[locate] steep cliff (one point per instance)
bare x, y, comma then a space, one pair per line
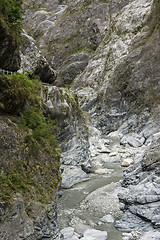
10, 34
29, 162
67, 33
107, 53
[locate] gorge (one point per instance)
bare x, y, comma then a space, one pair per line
87, 82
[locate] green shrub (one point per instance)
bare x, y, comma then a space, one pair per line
16, 90
11, 17
157, 6
39, 166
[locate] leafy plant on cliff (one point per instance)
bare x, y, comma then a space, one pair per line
16, 90
11, 17
157, 11
36, 166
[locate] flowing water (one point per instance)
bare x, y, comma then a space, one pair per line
70, 207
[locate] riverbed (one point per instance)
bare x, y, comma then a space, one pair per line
83, 205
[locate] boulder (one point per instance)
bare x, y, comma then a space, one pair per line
126, 162
133, 139
107, 219
113, 159
72, 175
92, 234
67, 233
103, 171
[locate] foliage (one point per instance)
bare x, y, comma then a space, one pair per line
38, 161
42, 129
11, 17
16, 90
21, 176
157, 7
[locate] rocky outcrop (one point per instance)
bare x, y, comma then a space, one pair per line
67, 31
23, 213
121, 77
32, 61
63, 106
36, 221
141, 196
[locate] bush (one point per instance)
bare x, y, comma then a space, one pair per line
16, 90
38, 158
11, 17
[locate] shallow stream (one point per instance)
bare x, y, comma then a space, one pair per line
73, 209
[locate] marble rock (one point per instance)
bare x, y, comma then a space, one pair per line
126, 162
92, 234
107, 219
72, 175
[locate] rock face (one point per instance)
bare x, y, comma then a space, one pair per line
141, 192
61, 104
18, 224
119, 75
22, 213
67, 32
32, 61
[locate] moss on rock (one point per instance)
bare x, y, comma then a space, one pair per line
29, 154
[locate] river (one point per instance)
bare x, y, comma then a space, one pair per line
82, 206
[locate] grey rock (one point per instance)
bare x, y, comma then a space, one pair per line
107, 219
72, 175
33, 62
141, 195
94, 235
134, 235
62, 104
61, 34
18, 225
134, 140
67, 233
73, 66
130, 222
112, 159
155, 235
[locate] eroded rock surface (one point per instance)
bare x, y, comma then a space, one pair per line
22, 213
32, 61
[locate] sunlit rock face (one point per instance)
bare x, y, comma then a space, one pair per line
63, 105
123, 75
33, 62
67, 33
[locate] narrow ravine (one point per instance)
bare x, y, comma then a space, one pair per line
82, 206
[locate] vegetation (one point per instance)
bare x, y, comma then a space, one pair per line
157, 6
11, 17
35, 166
